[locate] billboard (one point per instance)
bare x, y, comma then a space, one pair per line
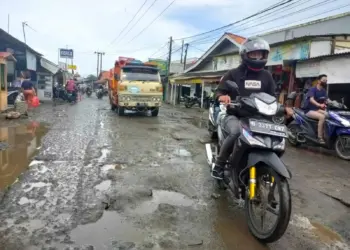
66, 53
161, 64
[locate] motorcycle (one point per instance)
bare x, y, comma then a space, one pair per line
191, 101
254, 169
99, 93
88, 92
303, 130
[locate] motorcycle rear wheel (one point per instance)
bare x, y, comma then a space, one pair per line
284, 206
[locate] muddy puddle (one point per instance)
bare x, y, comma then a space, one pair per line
163, 197
232, 227
199, 123
110, 227
324, 233
22, 143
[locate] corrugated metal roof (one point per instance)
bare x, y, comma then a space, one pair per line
15, 40
325, 56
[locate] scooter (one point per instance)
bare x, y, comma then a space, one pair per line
254, 169
303, 130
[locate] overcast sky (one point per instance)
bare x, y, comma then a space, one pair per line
87, 26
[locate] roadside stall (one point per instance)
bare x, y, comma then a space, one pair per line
6, 59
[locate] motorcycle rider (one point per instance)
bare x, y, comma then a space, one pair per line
250, 76
314, 106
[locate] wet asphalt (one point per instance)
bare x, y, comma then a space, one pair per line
84, 178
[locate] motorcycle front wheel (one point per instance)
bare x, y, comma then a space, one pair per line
342, 147
268, 179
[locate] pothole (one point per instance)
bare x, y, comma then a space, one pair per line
111, 226
163, 197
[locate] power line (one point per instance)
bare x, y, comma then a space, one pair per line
158, 50
258, 18
138, 20
132, 19
152, 22
274, 19
284, 25
283, 2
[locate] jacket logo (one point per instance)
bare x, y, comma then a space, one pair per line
251, 84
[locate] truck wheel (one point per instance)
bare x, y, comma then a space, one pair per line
121, 111
155, 112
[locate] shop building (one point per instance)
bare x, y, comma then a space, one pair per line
290, 47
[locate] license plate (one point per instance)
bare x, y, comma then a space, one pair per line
267, 128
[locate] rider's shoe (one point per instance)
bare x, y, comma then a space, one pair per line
218, 172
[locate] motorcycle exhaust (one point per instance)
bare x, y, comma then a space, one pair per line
209, 154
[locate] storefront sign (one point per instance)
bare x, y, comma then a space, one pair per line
295, 51
66, 53
74, 67
225, 62
31, 61
162, 65
307, 69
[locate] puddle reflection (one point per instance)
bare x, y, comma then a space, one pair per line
23, 141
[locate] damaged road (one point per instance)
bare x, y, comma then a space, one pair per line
99, 181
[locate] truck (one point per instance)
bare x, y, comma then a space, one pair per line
136, 86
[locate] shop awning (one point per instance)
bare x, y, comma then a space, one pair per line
198, 77
53, 68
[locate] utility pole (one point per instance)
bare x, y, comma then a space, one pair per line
8, 23
24, 32
168, 67
98, 62
185, 57
182, 50
101, 54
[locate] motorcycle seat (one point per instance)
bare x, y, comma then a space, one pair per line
302, 114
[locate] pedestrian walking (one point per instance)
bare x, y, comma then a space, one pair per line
27, 88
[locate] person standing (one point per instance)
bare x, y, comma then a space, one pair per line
27, 87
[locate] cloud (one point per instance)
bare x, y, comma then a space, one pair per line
88, 26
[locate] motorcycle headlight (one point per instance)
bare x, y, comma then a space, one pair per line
266, 109
253, 141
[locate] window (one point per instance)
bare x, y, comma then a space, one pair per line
2, 76
140, 74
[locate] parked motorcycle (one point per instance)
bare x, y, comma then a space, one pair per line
303, 130
191, 101
254, 169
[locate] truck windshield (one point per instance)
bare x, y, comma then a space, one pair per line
140, 74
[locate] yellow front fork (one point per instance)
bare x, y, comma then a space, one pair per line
252, 182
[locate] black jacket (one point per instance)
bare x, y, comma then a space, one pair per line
248, 82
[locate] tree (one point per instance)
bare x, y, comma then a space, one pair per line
91, 78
